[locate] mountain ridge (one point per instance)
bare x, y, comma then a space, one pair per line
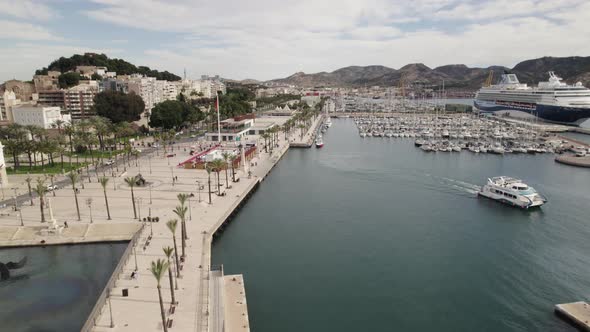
456, 76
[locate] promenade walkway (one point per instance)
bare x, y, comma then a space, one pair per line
201, 305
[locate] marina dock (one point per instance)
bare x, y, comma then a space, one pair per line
578, 313
307, 140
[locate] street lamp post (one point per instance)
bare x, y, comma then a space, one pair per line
150, 194
139, 206
199, 189
172, 171
89, 203
190, 210
150, 163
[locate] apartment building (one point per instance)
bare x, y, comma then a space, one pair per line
40, 116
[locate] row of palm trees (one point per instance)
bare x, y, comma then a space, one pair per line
159, 267
39, 144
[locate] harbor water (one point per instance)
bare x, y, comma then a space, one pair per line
58, 286
373, 234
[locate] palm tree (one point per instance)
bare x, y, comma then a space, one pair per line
131, 183
73, 176
182, 198
103, 182
41, 189
171, 224
29, 179
180, 211
208, 169
217, 166
168, 252
226, 156
158, 269
232, 160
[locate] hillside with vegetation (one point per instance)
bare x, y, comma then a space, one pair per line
120, 66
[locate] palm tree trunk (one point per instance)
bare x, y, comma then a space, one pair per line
233, 173
226, 180
183, 237
171, 283
133, 201
107, 203
77, 206
162, 308
218, 185
208, 181
41, 204
176, 257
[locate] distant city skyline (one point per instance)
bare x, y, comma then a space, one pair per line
264, 39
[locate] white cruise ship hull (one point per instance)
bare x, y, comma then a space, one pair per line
522, 202
549, 113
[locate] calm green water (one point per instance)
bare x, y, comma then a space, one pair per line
375, 235
57, 288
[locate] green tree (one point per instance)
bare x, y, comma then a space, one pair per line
131, 183
28, 180
226, 156
217, 166
103, 182
168, 252
158, 268
40, 190
74, 177
209, 169
67, 80
118, 106
183, 198
172, 225
180, 211
167, 114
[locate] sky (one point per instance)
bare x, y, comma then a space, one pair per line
266, 39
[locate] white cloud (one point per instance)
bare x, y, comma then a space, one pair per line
27, 9
24, 31
268, 39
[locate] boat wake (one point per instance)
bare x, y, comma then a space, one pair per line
461, 185
450, 186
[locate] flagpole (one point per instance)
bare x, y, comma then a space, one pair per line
218, 120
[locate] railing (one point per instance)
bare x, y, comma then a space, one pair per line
102, 299
203, 314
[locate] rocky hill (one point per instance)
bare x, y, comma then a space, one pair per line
458, 76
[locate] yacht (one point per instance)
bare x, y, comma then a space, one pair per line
552, 101
319, 142
511, 191
328, 123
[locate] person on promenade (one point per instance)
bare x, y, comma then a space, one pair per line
65, 224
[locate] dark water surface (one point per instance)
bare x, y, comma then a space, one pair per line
374, 234
57, 288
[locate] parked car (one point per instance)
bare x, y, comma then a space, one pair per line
52, 187
109, 162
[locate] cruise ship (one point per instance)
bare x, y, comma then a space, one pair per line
551, 101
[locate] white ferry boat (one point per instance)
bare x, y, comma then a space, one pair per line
512, 192
552, 101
